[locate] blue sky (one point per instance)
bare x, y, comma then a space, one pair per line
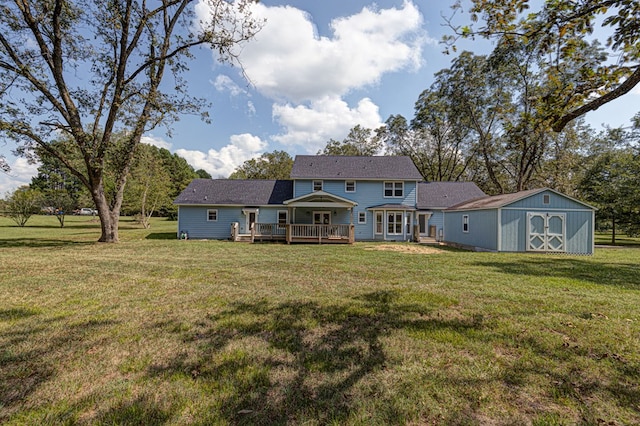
317, 69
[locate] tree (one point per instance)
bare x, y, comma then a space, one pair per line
61, 203
270, 165
92, 70
22, 204
556, 33
150, 186
203, 174
359, 141
611, 183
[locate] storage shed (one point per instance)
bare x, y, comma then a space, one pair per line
538, 220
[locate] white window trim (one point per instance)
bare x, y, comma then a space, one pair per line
546, 199
395, 223
465, 223
313, 185
364, 216
378, 214
345, 186
286, 216
393, 190
209, 211
321, 212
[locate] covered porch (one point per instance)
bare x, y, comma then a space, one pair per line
319, 217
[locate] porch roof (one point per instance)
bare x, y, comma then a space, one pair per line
320, 199
392, 207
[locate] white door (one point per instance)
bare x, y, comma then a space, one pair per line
546, 232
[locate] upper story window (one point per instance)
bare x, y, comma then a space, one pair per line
317, 185
350, 186
546, 199
394, 189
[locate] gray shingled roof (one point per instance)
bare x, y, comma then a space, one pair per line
442, 195
496, 201
350, 167
236, 192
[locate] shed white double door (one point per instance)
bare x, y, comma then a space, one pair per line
546, 232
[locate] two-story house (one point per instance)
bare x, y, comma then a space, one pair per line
342, 199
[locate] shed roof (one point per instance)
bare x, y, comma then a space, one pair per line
502, 200
235, 192
354, 167
442, 195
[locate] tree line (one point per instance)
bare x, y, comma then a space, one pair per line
96, 74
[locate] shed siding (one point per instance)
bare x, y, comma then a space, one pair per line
579, 226
483, 225
556, 201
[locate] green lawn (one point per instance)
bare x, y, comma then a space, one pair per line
159, 331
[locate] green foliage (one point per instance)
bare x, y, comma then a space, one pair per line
611, 184
360, 141
578, 75
104, 110
22, 204
150, 186
270, 165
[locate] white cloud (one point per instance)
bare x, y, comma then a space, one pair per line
289, 60
221, 163
156, 141
224, 83
636, 90
20, 174
330, 117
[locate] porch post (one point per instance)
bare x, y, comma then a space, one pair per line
351, 216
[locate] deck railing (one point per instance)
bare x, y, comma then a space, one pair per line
296, 233
320, 232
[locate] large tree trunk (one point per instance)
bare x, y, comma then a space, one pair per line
109, 215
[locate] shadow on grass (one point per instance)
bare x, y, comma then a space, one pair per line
296, 362
32, 353
41, 242
623, 275
161, 236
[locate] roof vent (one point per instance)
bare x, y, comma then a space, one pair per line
205, 197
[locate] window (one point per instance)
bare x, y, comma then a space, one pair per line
350, 186
394, 189
379, 224
317, 185
394, 223
546, 199
465, 223
362, 217
212, 215
283, 218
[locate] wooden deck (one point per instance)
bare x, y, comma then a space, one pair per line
297, 233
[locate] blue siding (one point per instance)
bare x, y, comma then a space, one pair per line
578, 236
193, 220
556, 201
437, 220
367, 194
483, 226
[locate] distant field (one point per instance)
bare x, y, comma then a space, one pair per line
159, 331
